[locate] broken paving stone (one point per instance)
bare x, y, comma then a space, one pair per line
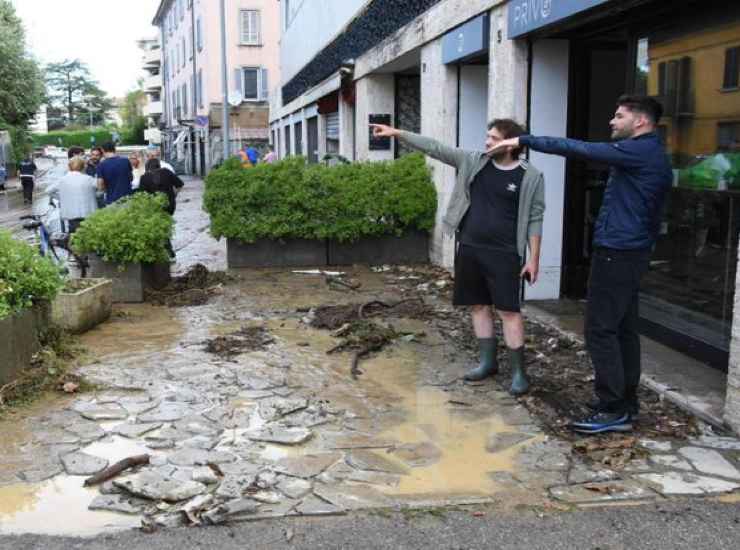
255, 394
107, 488
102, 412
505, 480
275, 407
499, 442
230, 510
352, 497
515, 416
166, 520
118, 503
710, 462
127, 429
601, 492
199, 457
679, 483
86, 431
195, 506
159, 444
155, 487
416, 455
234, 486
266, 497
166, 412
266, 479
368, 460
374, 478
306, 466
205, 475
314, 506
242, 467
358, 441
336, 473
294, 488
671, 461
284, 436
134, 408
83, 464
582, 474
657, 446
717, 442
196, 425
200, 442
37, 475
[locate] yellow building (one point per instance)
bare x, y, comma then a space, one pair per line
688, 74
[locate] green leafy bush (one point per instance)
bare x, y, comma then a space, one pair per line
25, 276
70, 139
132, 230
292, 199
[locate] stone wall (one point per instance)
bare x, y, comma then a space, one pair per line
732, 401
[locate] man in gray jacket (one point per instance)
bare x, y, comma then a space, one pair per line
495, 210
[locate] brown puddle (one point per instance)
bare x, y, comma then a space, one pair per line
465, 464
135, 327
56, 507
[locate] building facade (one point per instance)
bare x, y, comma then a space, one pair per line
190, 35
446, 67
153, 84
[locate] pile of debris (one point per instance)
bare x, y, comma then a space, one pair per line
192, 289
241, 341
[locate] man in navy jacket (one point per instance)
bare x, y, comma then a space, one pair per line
625, 232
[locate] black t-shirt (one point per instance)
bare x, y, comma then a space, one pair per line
491, 219
27, 168
161, 181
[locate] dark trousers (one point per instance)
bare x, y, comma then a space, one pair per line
27, 184
611, 325
73, 225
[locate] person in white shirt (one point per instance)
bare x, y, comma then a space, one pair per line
137, 168
76, 194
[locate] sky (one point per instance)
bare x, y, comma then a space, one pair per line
102, 33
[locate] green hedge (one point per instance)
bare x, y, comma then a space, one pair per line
292, 199
131, 230
70, 139
25, 276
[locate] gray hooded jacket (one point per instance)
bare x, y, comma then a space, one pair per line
468, 164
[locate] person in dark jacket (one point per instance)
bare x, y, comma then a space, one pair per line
160, 180
625, 232
27, 171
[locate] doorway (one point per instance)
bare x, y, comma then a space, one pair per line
313, 139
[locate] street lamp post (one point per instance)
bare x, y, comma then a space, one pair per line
224, 84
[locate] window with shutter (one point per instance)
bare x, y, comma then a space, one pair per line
190, 43
251, 83
182, 43
264, 89
200, 88
249, 31
732, 68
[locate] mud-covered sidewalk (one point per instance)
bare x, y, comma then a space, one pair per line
246, 415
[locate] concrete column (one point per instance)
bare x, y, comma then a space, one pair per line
375, 95
346, 129
732, 401
508, 72
304, 133
439, 104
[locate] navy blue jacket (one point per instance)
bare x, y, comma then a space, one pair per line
639, 180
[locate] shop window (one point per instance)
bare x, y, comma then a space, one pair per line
691, 282
732, 68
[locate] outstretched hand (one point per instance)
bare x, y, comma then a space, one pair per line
382, 130
503, 146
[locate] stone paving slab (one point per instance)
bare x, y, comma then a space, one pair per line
710, 462
607, 491
82, 464
675, 483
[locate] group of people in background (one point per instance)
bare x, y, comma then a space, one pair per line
249, 156
106, 177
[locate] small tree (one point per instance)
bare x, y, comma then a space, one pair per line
74, 94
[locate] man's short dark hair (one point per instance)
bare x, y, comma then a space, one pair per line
152, 164
643, 104
109, 147
98, 149
508, 128
75, 151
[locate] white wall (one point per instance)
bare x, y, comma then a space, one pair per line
473, 106
376, 94
549, 117
316, 23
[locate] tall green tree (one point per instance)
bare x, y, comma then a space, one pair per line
132, 115
21, 83
74, 93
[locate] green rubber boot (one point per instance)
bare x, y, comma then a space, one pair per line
488, 365
519, 382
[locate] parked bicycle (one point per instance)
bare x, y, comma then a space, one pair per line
53, 241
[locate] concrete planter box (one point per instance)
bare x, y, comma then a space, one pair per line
19, 340
410, 248
276, 253
83, 305
130, 280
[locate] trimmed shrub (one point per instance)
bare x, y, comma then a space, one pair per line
292, 199
72, 139
25, 276
132, 230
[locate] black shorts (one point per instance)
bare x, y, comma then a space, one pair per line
487, 277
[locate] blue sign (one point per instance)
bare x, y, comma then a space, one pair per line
467, 40
528, 15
